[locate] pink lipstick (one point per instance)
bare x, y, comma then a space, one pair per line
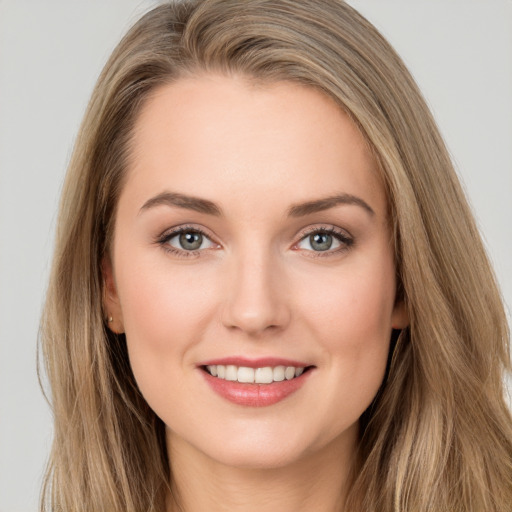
255, 382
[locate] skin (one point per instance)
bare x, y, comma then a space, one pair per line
256, 288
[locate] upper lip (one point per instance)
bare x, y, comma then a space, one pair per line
260, 362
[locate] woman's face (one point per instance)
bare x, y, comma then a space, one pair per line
252, 242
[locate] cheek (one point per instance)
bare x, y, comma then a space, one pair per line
164, 314
351, 319
354, 306
158, 299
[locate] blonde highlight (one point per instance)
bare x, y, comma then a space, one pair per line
444, 388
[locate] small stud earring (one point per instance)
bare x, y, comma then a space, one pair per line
110, 319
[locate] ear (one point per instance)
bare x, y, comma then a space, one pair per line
111, 305
400, 315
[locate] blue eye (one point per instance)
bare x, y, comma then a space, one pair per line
325, 240
188, 240
321, 241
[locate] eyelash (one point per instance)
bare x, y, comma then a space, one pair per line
346, 241
163, 241
342, 237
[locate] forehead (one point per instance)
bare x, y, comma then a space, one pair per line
224, 136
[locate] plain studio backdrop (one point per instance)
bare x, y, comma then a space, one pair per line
51, 52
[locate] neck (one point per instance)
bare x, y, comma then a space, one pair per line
314, 482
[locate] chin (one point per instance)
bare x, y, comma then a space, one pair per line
244, 447
257, 457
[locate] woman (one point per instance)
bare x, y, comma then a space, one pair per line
261, 297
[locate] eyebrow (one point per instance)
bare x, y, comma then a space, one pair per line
319, 205
210, 208
183, 201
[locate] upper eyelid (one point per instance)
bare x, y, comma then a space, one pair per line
303, 233
170, 232
325, 228
163, 240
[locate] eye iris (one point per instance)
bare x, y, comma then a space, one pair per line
320, 241
191, 240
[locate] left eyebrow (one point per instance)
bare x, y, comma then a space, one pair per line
320, 205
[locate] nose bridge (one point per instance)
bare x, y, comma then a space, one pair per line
255, 298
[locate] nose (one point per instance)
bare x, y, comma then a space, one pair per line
256, 300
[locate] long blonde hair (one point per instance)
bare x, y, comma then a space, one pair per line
438, 436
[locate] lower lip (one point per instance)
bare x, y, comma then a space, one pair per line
255, 395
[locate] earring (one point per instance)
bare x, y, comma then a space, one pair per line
110, 319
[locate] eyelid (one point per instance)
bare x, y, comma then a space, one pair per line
345, 239
326, 228
170, 233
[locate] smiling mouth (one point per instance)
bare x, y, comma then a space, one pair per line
263, 375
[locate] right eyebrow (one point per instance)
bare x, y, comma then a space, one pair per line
182, 201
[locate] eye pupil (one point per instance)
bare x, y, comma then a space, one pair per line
191, 240
320, 241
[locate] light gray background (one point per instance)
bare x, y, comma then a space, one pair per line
51, 52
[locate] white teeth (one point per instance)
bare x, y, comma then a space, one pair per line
231, 372
289, 373
264, 375
245, 374
279, 373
